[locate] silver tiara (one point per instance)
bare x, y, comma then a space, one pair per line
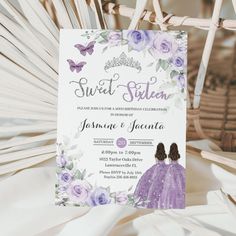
123, 60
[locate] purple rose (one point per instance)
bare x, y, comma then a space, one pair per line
99, 196
178, 61
121, 198
180, 79
164, 46
139, 39
79, 191
114, 38
65, 177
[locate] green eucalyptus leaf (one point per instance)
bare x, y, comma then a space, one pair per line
104, 49
164, 64
158, 65
173, 74
89, 175
130, 188
77, 174
70, 166
103, 41
83, 174
104, 34
150, 64
58, 170
113, 195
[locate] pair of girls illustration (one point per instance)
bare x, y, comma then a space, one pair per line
163, 185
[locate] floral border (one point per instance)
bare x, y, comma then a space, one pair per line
168, 49
73, 185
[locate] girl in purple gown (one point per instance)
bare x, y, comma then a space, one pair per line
149, 187
173, 193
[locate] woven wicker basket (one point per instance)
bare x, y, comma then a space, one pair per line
217, 111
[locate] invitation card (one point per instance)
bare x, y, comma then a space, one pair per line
122, 118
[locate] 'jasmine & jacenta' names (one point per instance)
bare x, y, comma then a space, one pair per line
132, 126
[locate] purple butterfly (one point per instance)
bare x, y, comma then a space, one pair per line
77, 67
86, 49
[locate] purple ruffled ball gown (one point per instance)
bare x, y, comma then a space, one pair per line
150, 185
173, 193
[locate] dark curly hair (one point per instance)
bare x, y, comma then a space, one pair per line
174, 152
160, 152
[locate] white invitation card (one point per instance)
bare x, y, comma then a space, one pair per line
122, 118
